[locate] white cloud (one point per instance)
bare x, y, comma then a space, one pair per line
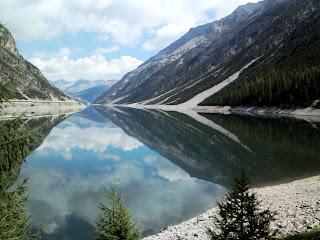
101, 50
109, 157
64, 52
139, 24
92, 67
124, 22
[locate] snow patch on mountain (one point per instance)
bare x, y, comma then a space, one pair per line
196, 100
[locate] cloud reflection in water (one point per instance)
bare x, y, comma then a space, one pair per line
80, 159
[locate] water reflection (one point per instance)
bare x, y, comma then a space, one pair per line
216, 147
80, 159
169, 166
18, 137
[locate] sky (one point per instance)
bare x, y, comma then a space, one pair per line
102, 39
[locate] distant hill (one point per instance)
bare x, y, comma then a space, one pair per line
86, 91
263, 54
62, 84
19, 79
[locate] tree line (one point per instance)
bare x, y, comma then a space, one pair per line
277, 87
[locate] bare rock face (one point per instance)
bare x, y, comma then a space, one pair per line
19, 79
7, 40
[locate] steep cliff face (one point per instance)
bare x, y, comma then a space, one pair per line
207, 55
7, 40
19, 79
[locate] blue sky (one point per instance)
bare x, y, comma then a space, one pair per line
102, 39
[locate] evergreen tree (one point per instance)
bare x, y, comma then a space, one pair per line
14, 218
15, 145
240, 216
115, 222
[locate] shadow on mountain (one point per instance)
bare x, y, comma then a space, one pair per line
269, 150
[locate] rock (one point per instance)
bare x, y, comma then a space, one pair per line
23, 80
291, 218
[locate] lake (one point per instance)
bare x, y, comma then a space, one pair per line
168, 166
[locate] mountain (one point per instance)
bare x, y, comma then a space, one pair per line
62, 84
19, 79
90, 95
263, 54
86, 91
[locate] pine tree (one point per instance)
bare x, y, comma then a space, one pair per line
115, 222
15, 144
240, 216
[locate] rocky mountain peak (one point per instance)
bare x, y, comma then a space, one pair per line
19, 79
7, 40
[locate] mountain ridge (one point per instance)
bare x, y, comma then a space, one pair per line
19, 79
86, 91
209, 54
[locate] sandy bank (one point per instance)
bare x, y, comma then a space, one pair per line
297, 204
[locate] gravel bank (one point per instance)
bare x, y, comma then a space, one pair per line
297, 204
35, 108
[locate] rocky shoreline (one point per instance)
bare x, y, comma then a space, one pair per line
308, 114
18, 108
297, 205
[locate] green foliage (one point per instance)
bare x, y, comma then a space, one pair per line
115, 222
16, 143
240, 216
14, 219
275, 87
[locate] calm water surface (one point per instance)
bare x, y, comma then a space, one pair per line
168, 166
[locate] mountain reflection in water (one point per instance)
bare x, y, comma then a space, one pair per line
169, 166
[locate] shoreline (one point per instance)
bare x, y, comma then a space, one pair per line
14, 108
308, 114
297, 205
312, 114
